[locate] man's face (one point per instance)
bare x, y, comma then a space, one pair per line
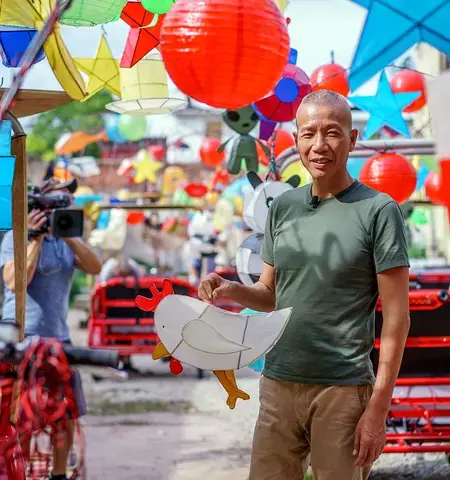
324, 139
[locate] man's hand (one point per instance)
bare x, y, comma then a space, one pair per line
214, 287
370, 436
36, 220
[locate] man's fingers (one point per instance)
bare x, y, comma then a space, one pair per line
363, 451
205, 291
356, 443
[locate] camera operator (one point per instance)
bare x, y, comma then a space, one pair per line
51, 262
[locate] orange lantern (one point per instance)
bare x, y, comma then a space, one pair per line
196, 190
330, 77
225, 53
407, 81
158, 152
263, 158
209, 154
390, 173
283, 141
433, 188
135, 218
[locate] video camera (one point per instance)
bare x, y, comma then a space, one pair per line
62, 221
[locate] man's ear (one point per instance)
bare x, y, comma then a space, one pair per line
353, 138
295, 136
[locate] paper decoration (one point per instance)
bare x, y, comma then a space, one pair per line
434, 188
438, 105
7, 163
112, 129
249, 264
330, 77
31, 14
209, 153
250, 38
158, 6
13, 44
209, 338
133, 128
385, 108
391, 28
145, 90
144, 33
282, 4
146, 167
82, 13
410, 81
282, 103
258, 201
103, 70
75, 142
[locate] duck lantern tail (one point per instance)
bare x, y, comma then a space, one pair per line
151, 304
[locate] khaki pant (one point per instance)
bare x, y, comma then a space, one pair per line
301, 423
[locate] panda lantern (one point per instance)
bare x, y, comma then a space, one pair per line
256, 209
209, 338
242, 121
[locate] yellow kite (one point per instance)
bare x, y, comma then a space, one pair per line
32, 14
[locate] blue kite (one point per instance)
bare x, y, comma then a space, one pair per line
394, 26
385, 108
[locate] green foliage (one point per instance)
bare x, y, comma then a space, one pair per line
75, 116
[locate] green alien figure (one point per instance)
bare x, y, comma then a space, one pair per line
242, 121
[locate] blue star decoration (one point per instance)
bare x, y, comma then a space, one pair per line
394, 26
385, 108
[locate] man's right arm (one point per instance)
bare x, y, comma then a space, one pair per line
33, 250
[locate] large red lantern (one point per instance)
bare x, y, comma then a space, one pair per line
433, 188
407, 81
209, 154
330, 77
390, 173
225, 53
283, 141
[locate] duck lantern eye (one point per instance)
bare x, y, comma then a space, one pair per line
269, 201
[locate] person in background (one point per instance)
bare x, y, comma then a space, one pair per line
330, 249
51, 263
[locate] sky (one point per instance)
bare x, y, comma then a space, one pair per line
317, 27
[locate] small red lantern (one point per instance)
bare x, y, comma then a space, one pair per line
263, 158
330, 77
225, 53
390, 173
209, 154
433, 188
158, 152
283, 141
407, 81
135, 218
196, 190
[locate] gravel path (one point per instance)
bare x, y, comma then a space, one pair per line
206, 441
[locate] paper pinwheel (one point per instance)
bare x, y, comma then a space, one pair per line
385, 108
394, 26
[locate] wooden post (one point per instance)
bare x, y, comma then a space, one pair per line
20, 229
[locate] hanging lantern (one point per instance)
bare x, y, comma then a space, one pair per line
144, 89
13, 43
390, 173
283, 140
281, 105
196, 190
158, 152
158, 6
209, 154
226, 60
433, 188
132, 128
407, 81
330, 77
87, 13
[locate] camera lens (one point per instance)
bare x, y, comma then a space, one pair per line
65, 222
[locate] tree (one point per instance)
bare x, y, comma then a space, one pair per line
75, 116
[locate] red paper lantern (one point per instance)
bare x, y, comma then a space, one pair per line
209, 154
158, 152
410, 81
433, 188
225, 53
135, 218
196, 190
263, 158
390, 173
330, 77
283, 141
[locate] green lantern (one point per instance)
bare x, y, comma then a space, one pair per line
87, 13
158, 6
133, 128
419, 216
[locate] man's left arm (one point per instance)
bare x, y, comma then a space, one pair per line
392, 268
85, 257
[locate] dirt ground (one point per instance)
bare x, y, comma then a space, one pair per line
155, 426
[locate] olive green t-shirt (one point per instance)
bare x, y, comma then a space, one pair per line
326, 261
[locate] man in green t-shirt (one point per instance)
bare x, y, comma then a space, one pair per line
330, 248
